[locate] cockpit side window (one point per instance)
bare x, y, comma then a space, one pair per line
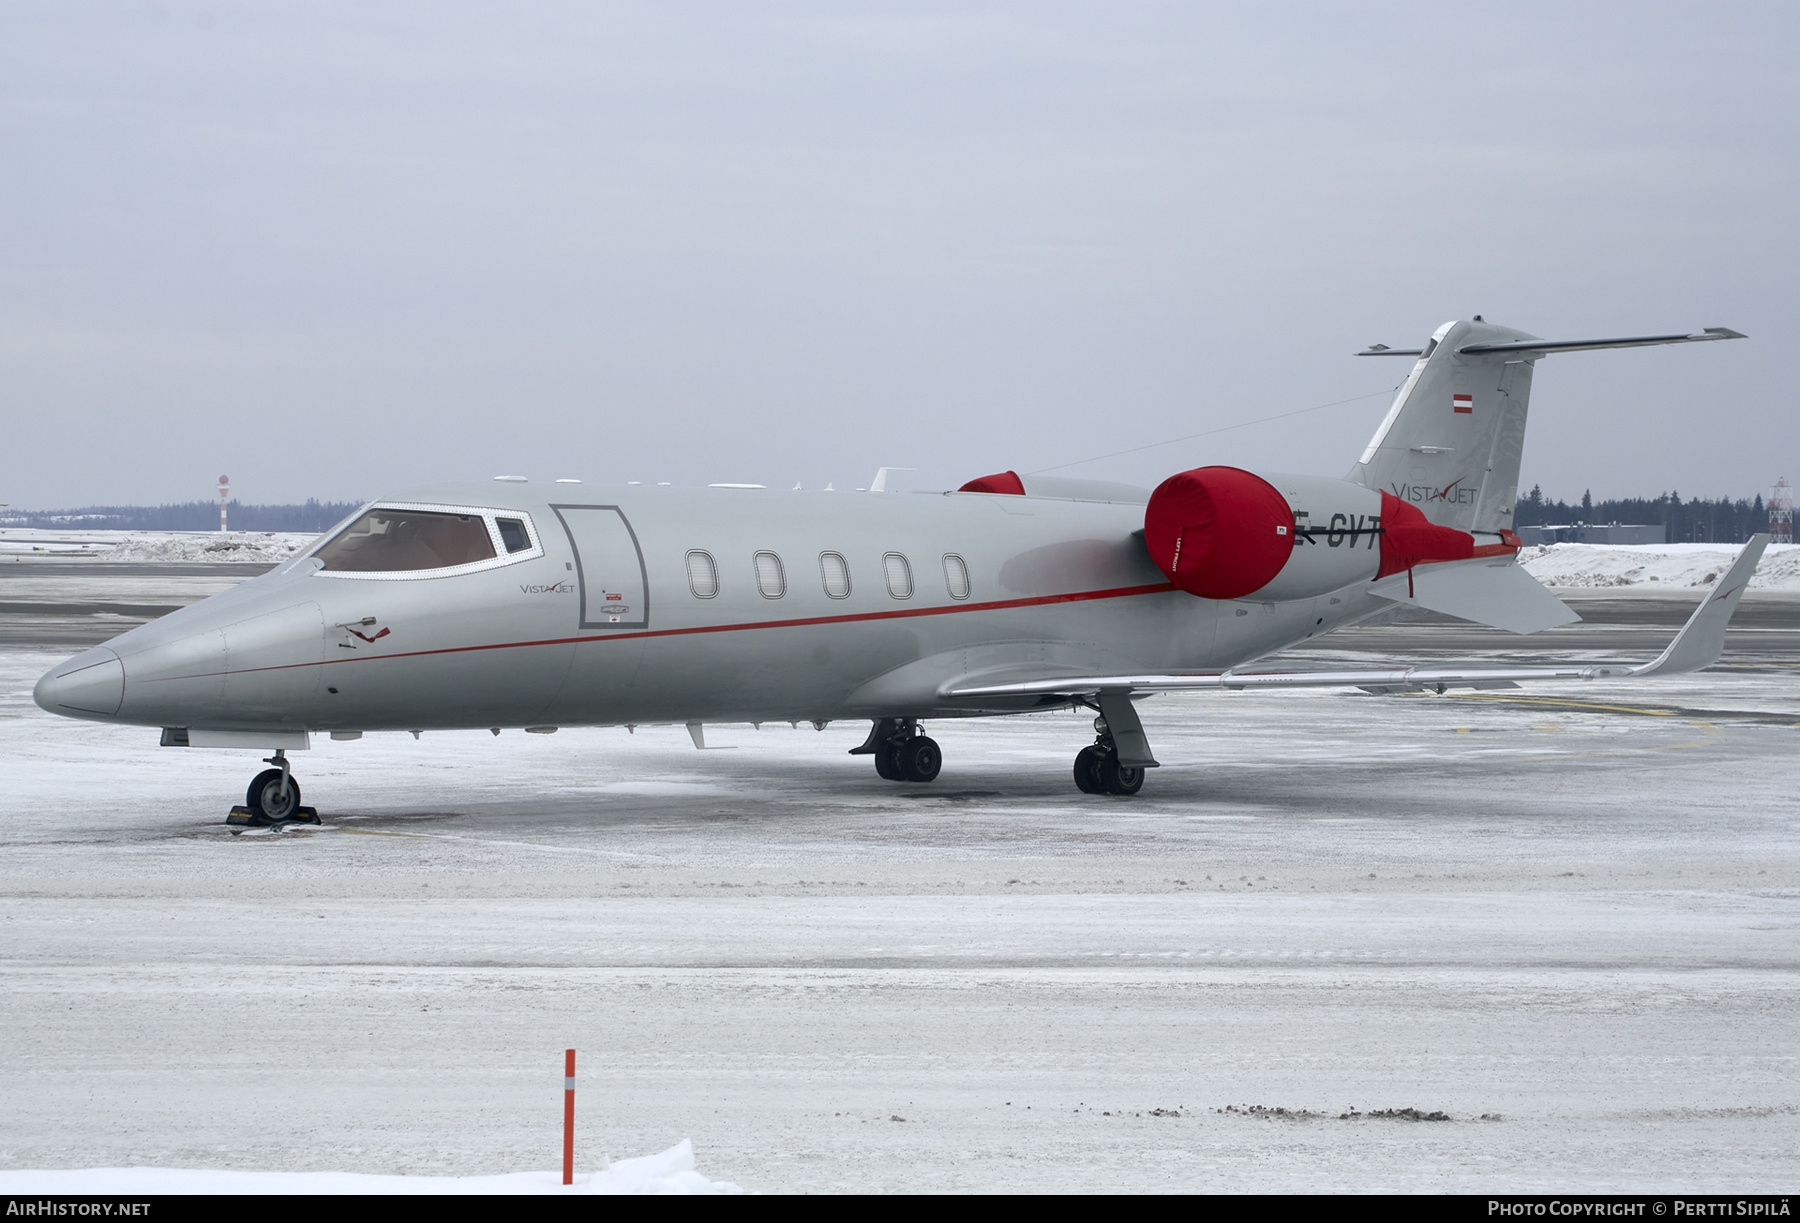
392, 541
513, 534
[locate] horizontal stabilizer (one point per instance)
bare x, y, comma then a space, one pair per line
1633, 341
1502, 596
1549, 346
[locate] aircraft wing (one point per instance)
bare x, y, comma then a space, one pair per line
1697, 645
1395, 679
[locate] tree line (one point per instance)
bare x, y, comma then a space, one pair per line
311, 516
1694, 521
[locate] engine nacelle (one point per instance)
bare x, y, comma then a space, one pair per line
1337, 537
1225, 533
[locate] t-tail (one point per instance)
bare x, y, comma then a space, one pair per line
1451, 442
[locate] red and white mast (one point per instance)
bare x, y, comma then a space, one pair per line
1781, 513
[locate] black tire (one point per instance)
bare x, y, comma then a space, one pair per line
1116, 778
886, 766
1087, 771
919, 759
264, 796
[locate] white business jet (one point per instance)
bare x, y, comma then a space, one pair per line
510, 605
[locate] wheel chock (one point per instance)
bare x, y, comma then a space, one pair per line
246, 817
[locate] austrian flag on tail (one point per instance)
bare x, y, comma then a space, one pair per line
1462, 403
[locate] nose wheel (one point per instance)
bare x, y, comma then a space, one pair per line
273, 794
272, 798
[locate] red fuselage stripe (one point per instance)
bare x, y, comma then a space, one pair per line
1122, 592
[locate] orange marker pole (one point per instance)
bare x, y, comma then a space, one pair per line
568, 1116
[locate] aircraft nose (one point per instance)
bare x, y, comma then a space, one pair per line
86, 685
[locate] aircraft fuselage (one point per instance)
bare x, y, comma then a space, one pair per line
645, 605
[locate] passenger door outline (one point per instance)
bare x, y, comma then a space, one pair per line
596, 617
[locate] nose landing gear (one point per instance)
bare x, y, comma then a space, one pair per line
902, 751
272, 799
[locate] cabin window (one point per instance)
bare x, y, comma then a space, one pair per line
703, 575
513, 534
769, 576
394, 541
834, 571
899, 575
956, 576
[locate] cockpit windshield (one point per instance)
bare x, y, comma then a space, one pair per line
392, 541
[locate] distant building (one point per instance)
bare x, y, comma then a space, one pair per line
1595, 533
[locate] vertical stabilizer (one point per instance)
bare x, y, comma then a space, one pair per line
1451, 443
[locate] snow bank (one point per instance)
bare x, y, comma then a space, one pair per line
202, 547
670, 1172
1672, 567
185, 547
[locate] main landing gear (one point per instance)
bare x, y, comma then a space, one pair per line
273, 798
1097, 767
902, 750
1115, 762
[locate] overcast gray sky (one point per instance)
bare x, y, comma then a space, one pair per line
335, 249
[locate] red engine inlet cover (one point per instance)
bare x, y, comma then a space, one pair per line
1219, 532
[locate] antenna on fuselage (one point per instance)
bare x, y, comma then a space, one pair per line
879, 483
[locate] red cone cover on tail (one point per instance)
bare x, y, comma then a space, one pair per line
1219, 532
1001, 482
1408, 538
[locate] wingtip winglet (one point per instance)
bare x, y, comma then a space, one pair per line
1702, 639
